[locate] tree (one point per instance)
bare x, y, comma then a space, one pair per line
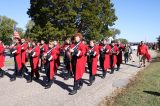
113, 32
96, 18
124, 41
29, 27
6, 29
92, 18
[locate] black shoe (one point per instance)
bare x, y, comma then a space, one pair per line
20, 76
90, 84
117, 68
66, 78
112, 71
73, 92
13, 79
37, 77
29, 81
1, 74
80, 87
104, 75
26, 70
48, 86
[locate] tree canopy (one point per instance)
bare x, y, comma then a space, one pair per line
62, 18
6, 29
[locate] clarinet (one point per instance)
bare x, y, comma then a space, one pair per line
12, 50
90, 54
75, 48
67, 48
22, 46
67, 54
103, 51
31, 52
48, 54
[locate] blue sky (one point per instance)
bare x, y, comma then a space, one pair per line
137, 19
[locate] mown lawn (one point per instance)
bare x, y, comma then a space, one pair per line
145, 91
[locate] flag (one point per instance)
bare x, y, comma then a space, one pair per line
15, 32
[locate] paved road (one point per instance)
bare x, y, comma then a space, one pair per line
20, 93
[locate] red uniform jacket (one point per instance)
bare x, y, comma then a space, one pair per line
107, 58
23, 52
17, 56
2, 57
119, 56
52, 63
113, 52
80, 62
85, 57
142, 49
35, 58
57, 57
95, 60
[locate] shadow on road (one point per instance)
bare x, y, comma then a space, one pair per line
152, 93
63, 85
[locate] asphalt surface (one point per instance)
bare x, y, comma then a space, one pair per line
21, 93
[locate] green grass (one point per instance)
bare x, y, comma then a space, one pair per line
147, 80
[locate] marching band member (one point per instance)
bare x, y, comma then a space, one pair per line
43, 50
57, 59
92, 59
2, 58
16, 51
119, 56
67, 58
85, 56
34, 53
105, 58
50, 57
78, 52
141, 52
101, 55
113, 56
24, 47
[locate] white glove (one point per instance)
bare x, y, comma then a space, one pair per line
71, 50
94, 53
50, 58
33, 54
78, 53
14, 51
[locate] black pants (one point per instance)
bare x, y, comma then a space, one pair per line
126, 57
111, 61
24, 69
68, 67
1, 72
47, 70
77, 84
91, 76
101, 59
118, 61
